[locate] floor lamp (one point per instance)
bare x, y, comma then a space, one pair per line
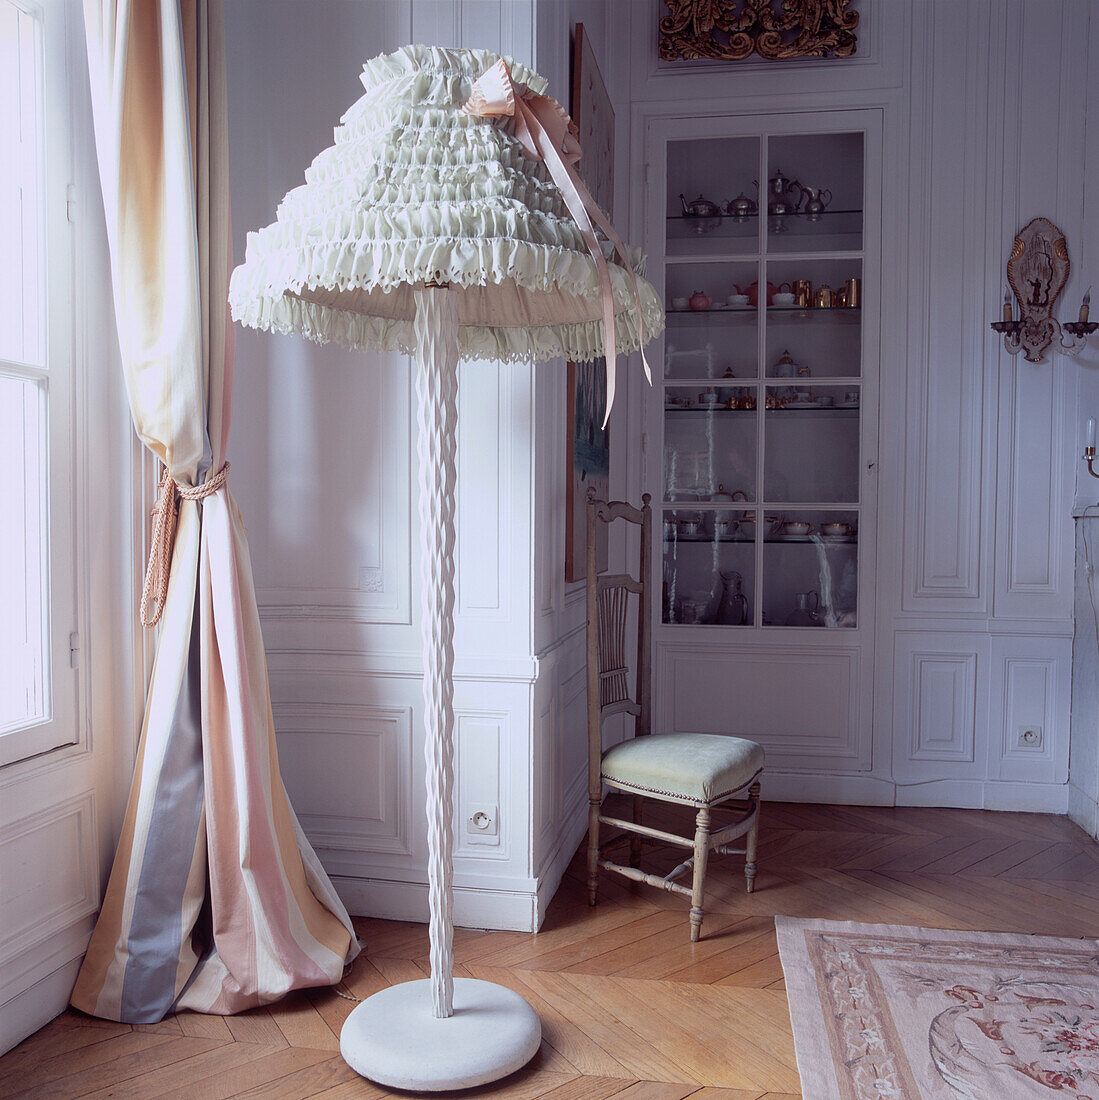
446, 221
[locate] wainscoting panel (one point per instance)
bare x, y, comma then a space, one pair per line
348, 772
48, 872
805, 709
326, 479
944, 689
940, 705
1031, 685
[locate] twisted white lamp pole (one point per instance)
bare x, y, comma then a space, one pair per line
437, 446
468, 1032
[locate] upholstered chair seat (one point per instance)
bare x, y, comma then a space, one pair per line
695, 767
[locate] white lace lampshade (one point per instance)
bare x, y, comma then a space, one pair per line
446, 221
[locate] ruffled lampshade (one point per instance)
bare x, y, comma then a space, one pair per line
446, 221
413, 190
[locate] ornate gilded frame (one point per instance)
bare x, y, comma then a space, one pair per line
777, 30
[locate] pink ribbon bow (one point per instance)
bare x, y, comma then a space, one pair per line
544, 130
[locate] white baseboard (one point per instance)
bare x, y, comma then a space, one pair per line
836, 790
501, 910
1084, 810
1035, 798
26, 1012
868, 790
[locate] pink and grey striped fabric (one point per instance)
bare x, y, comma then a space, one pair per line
216, 901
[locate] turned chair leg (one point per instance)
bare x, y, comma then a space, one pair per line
635, 840
753, 837
594, 806
702, 851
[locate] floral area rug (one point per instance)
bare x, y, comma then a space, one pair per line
883, 1011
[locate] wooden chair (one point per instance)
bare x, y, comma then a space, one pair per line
703, 770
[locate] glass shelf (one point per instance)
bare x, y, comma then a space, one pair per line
689, 227
814, 413
731, 315
723, 313
827, 222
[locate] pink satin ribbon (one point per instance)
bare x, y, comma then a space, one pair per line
544, 130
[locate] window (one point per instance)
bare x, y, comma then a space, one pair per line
37, 710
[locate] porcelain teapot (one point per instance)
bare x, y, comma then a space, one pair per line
725, 497
699, 208
785, 367
753, 293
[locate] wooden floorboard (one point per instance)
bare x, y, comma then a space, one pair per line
630, 1009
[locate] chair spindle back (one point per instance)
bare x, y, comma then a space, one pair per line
610, 653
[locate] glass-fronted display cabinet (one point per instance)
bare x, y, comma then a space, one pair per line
765, 388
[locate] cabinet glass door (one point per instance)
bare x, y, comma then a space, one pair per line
763, 381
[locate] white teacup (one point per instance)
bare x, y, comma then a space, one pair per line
680, 303
826, 402
796, 527
738, 299
835, 528
783, 299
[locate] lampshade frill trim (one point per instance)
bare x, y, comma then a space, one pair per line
262, 296
413, 190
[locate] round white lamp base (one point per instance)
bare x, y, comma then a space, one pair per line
393, 1038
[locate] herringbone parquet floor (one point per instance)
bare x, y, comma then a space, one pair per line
630, 1009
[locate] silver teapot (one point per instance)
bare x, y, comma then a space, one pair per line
741, 208
699, 208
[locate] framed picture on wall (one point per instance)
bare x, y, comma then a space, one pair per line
589, 462
587, 448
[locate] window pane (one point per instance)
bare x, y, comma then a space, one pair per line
22, 312
22, 553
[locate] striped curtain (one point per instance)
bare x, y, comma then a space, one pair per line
216, 901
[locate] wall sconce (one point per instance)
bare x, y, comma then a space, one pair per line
1037, 271
1089, 447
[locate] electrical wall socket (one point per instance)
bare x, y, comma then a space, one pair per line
482, 823
1030, 737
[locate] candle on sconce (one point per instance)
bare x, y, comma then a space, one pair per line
1007, 306
1090, 438
1084, 306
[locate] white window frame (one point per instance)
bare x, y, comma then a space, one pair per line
60, 726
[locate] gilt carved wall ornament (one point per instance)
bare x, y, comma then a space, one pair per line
1037, 271
778, 30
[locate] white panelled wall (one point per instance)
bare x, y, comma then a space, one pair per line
983, 110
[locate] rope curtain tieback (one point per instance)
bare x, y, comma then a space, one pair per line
545, 132
159, 567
